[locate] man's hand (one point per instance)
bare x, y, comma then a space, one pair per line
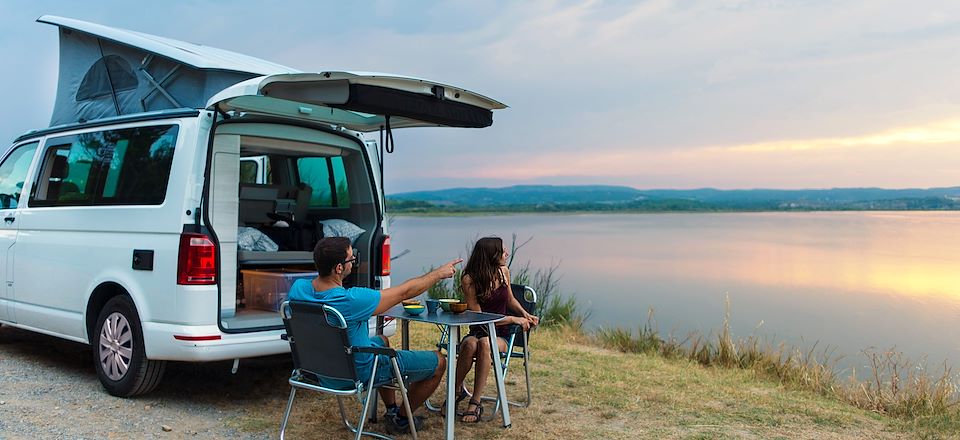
448, 270
392, 296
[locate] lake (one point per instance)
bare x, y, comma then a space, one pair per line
849, 280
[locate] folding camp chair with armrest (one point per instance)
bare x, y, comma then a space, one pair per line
320, 347
517, 347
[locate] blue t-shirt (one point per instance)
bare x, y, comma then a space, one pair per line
356, 304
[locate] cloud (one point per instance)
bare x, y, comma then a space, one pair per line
922, 155
626, 89
941, 132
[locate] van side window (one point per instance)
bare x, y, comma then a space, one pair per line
113, 167
328, 178
251, 173
13, 172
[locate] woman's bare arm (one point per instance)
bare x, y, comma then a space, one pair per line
469, 293
515, 306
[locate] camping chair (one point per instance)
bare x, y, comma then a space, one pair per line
320, 347
517, 347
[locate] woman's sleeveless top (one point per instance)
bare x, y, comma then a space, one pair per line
497, 301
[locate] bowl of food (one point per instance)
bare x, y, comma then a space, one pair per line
445, 303
458, 307
411, 302
414, 309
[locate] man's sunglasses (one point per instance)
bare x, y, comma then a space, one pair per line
355, 259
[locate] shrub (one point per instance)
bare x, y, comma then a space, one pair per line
449, 288
553, 307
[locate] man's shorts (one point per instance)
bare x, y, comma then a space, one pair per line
414, 365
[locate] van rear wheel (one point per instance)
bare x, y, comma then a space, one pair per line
118, 352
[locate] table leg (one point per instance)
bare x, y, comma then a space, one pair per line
498, 370
405, 334
453, 333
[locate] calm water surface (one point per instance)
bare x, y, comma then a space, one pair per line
849, 280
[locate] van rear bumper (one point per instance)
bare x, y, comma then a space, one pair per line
162, 344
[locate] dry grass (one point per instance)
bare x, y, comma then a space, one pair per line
581, 391
584, 391
903, 388
922, 402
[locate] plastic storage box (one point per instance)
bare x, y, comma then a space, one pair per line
266, 289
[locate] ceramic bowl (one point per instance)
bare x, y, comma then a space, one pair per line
411, 302
458, 307
445, 303
414, 309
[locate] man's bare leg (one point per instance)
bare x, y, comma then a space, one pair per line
418, 392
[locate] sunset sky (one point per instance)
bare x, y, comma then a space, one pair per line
651, 94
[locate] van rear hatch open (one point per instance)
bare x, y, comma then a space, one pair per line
358, 101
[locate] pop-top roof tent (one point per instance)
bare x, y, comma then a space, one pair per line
108, 72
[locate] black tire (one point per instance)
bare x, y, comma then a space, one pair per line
118, 352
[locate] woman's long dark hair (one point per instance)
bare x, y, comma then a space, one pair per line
483, 266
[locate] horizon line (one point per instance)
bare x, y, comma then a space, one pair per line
678, 189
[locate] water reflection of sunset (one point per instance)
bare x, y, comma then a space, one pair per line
846, 279
861, 256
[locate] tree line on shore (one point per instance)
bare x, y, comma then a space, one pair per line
608, 198
681, 205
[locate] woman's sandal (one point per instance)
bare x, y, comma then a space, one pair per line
462, 394
476, 413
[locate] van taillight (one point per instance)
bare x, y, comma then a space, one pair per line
385, 256
198, 260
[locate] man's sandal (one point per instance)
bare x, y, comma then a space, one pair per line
476, 413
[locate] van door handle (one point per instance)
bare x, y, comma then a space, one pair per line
9, 219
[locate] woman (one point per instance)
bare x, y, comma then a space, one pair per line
486, 287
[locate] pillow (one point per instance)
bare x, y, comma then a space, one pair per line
341, 228
250, 239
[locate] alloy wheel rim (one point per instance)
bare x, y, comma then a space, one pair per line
116, 346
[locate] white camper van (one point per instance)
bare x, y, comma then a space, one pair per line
180, 189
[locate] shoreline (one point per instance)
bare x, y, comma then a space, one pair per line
635, 212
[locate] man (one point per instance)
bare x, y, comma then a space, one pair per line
335, 260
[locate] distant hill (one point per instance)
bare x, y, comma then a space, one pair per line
608, 197
524, 194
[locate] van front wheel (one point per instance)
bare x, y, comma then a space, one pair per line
118, 353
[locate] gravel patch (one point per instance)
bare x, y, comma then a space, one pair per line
48, 389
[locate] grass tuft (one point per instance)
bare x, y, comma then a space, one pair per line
900, 387
647, 341
897, 386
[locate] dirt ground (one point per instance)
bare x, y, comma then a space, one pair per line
49, 390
